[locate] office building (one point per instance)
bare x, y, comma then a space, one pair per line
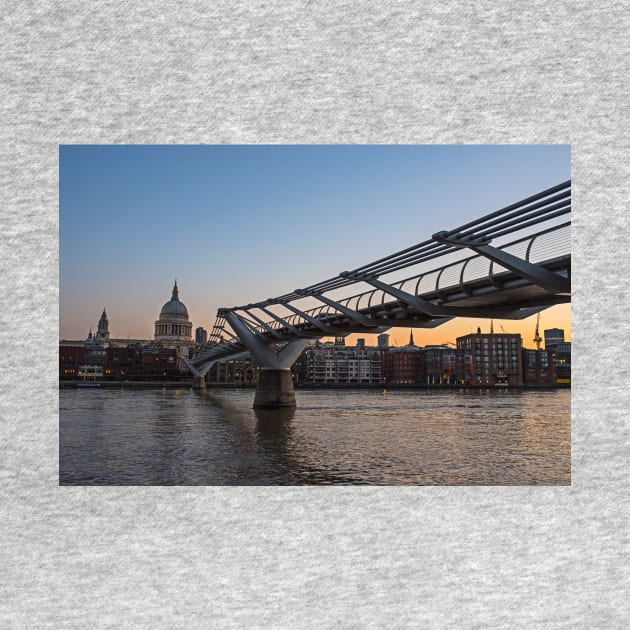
201, 335
553, 336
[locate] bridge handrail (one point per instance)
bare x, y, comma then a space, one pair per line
325, 309
431, 249
543, 207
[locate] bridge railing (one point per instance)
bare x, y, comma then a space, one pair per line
539, 248
546, 211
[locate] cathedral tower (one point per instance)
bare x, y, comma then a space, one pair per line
102, 332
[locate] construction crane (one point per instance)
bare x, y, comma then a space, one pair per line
537, 338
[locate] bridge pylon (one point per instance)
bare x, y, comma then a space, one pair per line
275, 384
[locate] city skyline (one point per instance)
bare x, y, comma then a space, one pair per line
552, 318
236, 224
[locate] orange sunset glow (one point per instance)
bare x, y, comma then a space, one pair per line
554, 317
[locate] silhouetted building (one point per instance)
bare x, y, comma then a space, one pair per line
383, 340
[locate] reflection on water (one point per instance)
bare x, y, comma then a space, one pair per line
274, 417
274, 424
421, 437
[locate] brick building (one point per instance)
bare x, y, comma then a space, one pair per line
496, 358
403, 365
447, 366
539, 368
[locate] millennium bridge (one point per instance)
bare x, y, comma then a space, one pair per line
508, 264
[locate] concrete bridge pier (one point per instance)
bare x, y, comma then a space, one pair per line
199, 374
275, 385
275, 389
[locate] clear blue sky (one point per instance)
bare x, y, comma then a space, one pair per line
236, 224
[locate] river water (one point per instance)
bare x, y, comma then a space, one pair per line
411, 437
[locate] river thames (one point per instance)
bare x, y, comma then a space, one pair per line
398, 437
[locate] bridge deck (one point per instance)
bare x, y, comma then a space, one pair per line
510, 279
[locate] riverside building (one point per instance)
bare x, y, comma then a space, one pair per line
336, 363
445, 365
539, 368
496, 358
404, 365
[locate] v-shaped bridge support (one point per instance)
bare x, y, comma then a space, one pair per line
275, 385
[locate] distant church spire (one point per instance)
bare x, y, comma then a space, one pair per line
411, 343
103, 327
175, 295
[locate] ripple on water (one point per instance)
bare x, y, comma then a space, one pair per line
184, 437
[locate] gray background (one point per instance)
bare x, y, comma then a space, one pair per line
327, 72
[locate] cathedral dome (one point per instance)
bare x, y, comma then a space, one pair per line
174, 308
173, 324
